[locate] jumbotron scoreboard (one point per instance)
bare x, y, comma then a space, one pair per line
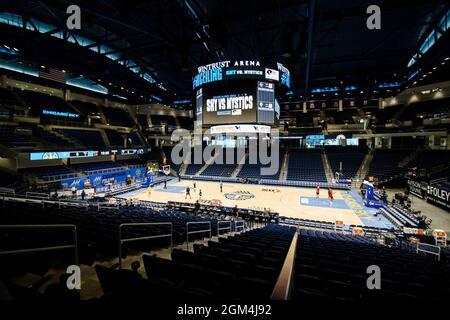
239, 92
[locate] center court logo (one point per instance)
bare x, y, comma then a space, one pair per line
239, 195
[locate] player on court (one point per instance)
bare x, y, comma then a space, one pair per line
188, 193
149, 190
200, 195
330, 196
317, 191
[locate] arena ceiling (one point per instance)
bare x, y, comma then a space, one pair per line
324, 43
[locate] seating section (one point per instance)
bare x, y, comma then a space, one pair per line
10, 136
240, 267
192, 169
396, 129
97, 229
342, 117
351, 160
117, 117
306, 165
95, 166
42, 101
305, 119
431, 109
429, 159
86, 108
88, 138
131, 162
9, 180
142, 120
51, 137
223, 170
52, 173
385, 163
133, 140
115, 138
7, 98
253, 171
219, 170
186, 123
158, 120
383, 116
333, 266
45, 172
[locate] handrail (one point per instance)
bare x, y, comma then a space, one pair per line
42, 249
240, 226
438, 253
58, 177
283, 285
59, 202
9, 191
70, 203
37, 195
122, 241
224, 228
107, 205
197, 231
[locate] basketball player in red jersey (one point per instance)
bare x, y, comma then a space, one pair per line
317, 191
330, 196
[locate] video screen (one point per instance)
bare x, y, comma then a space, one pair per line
266, 102
230, 103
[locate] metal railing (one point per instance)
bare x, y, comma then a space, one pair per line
43, 249
223, 222
120, 187
241, 225
197, 231
104, 170
37, 195
107, 205
7, 191
70, 203
61, 202
122, 241
58, 177
428, 248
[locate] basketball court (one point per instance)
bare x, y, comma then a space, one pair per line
289, 202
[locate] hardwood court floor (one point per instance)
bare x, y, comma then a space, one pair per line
287, 201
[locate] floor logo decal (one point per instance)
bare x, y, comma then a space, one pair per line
239, 195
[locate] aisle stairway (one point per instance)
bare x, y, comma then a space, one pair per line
284, 167
327, 167
363, 170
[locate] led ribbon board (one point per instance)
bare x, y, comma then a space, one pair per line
241, 69
52, 155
